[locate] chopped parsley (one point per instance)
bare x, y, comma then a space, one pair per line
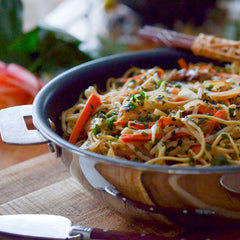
110, 123
160, 83
130, 106
134, 101
210, 87
220, 161
208, 147
160, 97
224, 136
231, 111
140, 98
173, 133
227, 146
96, 129
192, 162
119, 83
178, 86
144, 133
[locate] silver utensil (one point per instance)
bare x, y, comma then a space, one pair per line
58, 227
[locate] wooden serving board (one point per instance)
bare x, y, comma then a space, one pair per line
43, 185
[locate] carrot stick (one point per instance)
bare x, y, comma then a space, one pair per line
139, 137
220, 113
204, 109
228, 75
224, 75
121, 123
133, 124
227, 102
175, 90
92, 103
196, 148
179, 99
134, 77
160, 72
137, 125
166, 121
212, 123
182, 63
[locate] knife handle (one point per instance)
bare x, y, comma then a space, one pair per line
86, 233
117, 235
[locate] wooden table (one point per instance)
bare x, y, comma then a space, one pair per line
41, 184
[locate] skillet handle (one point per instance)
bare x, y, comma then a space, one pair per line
13, 127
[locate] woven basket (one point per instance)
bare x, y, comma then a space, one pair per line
216, 48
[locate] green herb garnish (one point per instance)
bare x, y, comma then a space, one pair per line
96, 129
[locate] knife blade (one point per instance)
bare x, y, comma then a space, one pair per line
44, 226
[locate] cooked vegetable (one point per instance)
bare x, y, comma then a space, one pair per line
93, 102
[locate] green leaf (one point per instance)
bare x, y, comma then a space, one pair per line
41, 50
26, 43
48, 51
96, 129
220, 161
10, 27
59, 51
11, 20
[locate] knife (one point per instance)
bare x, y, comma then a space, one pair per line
44, 226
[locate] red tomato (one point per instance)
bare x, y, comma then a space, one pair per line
18, 86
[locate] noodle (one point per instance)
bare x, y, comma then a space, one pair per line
177, 117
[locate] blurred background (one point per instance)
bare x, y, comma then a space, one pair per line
101, 27
49, 36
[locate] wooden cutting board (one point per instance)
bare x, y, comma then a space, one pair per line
43, 185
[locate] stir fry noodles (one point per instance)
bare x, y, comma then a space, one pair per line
178, 117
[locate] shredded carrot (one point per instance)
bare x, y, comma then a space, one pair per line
166, 121
134, 124
196, 148
134, 77
221, 74
160, 72
139, 137
145, 137
227, 75
92, 103
182, 63
221, 113
205, 109
121, 123
227, 102
212, 123
179, 99
175, 90
137, 125
205, 67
